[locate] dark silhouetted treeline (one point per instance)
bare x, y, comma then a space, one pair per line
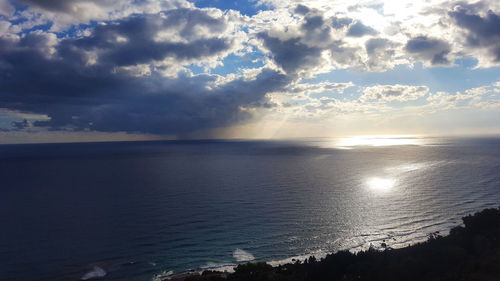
469, 252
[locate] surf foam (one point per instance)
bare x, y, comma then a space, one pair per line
241, 255
96, 272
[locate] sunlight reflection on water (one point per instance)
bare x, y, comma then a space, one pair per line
381, 184
378, 140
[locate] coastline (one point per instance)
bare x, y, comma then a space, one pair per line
468, 252
225, 269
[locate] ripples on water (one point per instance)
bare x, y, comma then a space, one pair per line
136, 210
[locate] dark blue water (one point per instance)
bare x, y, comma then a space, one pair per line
146, 208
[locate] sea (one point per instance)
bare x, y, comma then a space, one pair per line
150, 210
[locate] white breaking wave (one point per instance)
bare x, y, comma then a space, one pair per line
163, 275
96, 272
317, 254
221, 267
240, 255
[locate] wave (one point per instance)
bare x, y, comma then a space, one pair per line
317, 254
221, 267
96, 272
163, 275
241, 255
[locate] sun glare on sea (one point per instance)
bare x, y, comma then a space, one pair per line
381, 184
378, 140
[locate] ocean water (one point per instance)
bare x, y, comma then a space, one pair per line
141, 210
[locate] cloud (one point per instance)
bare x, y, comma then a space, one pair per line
292, 55
480, 97
432, 51
20, 124
89, 82
374, 103
481, 32
300, 91
358, 29
381, 53
301, 9
393, 93
299, 47
340, 22
321, 87
424, 32
181, 35
6, 9
63, 14
68, 6
309, 45
174, 107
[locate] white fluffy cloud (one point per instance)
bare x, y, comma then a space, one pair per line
377, 35
394, 93
485, 97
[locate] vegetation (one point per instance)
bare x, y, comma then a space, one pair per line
469, 252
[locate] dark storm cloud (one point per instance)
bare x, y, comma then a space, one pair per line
174, 106
44, 76
481, 32
291, 54
431, 50
358, 29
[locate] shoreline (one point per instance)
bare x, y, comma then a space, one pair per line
216, 270
219, 268
474, 242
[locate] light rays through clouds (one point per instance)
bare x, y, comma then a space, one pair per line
258, 69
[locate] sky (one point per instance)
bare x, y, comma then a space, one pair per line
74, 70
